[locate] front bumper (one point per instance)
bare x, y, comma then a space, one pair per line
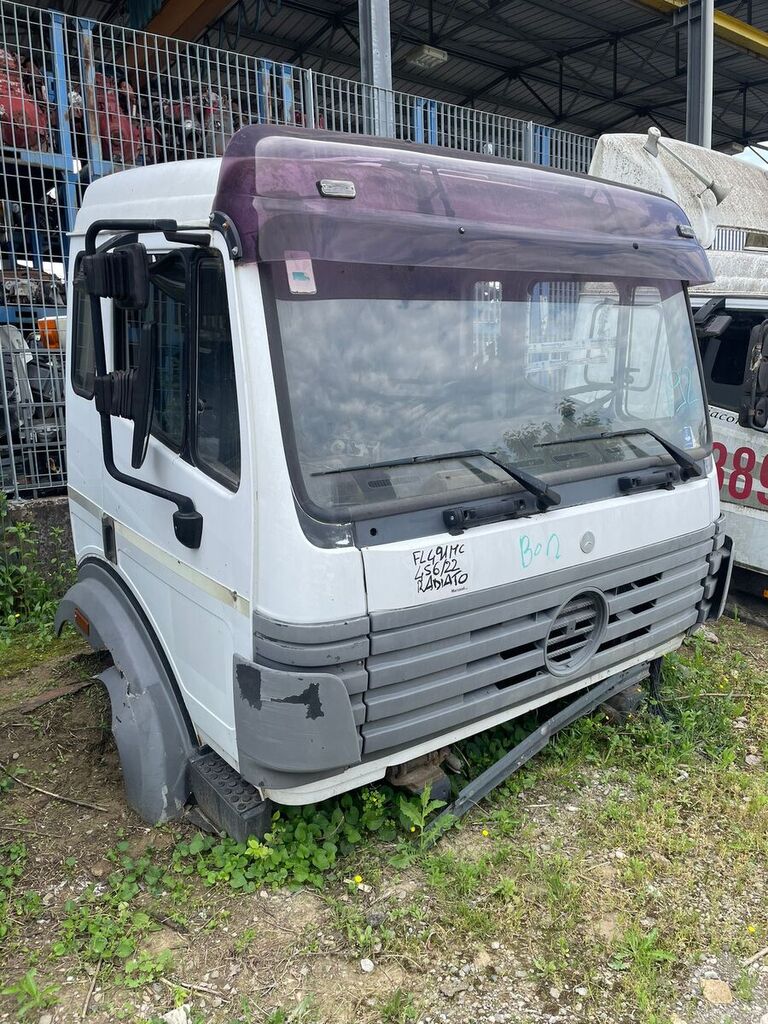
341, 701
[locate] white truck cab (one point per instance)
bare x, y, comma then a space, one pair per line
373, 447
726, 201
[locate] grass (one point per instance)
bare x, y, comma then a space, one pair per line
608, 866
20, 650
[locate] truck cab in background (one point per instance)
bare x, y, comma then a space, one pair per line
368, 452
726, 201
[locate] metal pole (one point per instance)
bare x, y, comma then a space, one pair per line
698, 122
376, 65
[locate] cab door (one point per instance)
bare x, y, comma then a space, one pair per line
197, 599
740, 453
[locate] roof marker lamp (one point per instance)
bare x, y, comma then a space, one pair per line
652, 145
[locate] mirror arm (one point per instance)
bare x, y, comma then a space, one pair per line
187, 521
132, 226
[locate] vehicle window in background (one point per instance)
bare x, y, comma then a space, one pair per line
725, 360
388, 363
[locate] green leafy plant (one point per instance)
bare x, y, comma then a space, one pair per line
145, 968
416, 811
28, 596
30, 995
99, 932
640, 950
399, 1008
13, 857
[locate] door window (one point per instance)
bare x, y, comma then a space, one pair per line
188, 303
167, 307
217, 428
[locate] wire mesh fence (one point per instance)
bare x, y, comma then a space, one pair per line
80, 99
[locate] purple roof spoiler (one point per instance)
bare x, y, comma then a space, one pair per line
415, 205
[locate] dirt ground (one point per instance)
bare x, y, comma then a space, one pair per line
610, 885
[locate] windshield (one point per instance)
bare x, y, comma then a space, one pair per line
387, 363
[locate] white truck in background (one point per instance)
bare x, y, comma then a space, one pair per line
370, 450
726, 201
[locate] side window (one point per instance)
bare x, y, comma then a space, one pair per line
167, 307
217, 427
727, 364
83, 358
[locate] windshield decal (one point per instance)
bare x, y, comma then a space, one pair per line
442, 567
301, 276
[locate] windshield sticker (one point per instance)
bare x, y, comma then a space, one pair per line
301, 276
689, 438
442, 567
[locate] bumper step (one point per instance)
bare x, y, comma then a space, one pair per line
231, 803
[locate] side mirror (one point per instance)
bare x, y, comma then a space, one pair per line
121, 274
715, 327
130, 393
754, 408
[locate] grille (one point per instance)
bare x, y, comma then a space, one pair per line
415, 673
443, 665
575, 633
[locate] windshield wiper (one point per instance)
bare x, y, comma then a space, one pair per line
689, 467
545, 496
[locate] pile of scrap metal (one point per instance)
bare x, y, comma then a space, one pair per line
31, 407
23, 120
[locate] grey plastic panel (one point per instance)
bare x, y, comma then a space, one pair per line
434, 719
311, 655
293, 722
310, 633
149, 721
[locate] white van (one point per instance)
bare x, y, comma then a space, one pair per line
726, 201
347, 482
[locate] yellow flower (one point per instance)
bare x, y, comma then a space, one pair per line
413, 828
486, 832
358, 879
751, 929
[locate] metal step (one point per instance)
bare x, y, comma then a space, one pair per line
231, 803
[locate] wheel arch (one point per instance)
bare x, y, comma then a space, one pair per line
150, 722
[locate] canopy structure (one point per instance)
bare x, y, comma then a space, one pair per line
588, 66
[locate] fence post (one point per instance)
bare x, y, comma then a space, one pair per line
528, 142
309, 99
61, 93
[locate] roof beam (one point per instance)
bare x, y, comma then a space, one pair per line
732, 30
186, 19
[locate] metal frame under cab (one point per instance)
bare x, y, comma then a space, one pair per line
80, 99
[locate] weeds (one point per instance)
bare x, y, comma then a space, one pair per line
28, 596
30, 996
13, 857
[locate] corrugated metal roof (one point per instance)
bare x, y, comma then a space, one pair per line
585, 65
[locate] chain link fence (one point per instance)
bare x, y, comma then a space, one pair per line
80, 99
